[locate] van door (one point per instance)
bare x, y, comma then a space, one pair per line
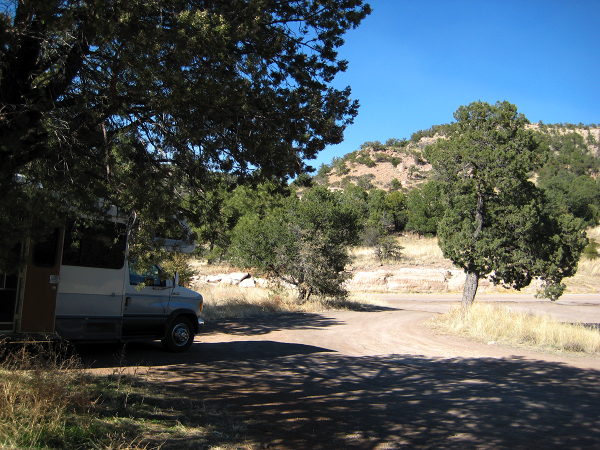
90, 296
41, 283
146, 303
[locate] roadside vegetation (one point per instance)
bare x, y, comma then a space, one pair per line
231, 301
228, 302
492, 323
310, 234
49, 400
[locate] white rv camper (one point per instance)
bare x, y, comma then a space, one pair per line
78, 284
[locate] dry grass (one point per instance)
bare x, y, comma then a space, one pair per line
48, 400
35, 398
416, 251
227, 301
422, 251
594, 233
495, 323
587, 277
201, 267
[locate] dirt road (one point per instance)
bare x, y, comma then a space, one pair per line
381, 379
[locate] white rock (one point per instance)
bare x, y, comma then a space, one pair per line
214, 278
237, 276
247, 283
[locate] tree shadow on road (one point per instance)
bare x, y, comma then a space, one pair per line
283, 321
334, 401
297, 396
266, 324
151, 354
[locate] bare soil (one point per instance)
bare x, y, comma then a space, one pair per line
379, 378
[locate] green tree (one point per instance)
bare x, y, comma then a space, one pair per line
395, 203
424, 208
577, 194
138, 102
355, 199
568, 176
222, 207
497, 223
303, 243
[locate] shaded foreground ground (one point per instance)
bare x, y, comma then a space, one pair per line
334, 380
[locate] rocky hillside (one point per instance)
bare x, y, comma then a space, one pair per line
399, 163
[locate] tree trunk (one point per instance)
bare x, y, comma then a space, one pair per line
472, 279
470, 289
304, 293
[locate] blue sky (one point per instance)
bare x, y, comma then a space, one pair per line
413, 63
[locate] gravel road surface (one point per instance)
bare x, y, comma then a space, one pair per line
381, 379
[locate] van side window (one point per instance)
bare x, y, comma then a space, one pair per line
153, 277
100, 245
44, 251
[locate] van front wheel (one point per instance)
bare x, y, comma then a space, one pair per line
179, 336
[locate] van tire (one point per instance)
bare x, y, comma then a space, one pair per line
179, 336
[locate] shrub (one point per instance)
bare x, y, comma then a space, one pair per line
180, 263
365, 181
396, 143
395, 184
366, 160
388, 249
303, 244
373, 145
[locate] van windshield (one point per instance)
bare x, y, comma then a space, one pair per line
154, 276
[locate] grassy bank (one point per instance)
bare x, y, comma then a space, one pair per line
499, 324
48, 400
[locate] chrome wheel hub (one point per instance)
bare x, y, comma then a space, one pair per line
181, 334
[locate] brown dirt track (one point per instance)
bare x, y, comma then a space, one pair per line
381, 379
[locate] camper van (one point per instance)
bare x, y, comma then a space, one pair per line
78, 284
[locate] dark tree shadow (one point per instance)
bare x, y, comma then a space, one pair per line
266, 324
300, 396
151, 354
284, 321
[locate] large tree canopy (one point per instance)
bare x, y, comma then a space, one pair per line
496, 222
131, 100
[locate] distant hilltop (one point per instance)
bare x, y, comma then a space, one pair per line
400, 163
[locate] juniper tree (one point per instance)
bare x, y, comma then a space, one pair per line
303, 243
497, 223
138, 102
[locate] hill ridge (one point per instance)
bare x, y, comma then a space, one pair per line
400, 164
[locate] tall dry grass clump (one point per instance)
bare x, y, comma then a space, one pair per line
422, 250
228, 301
39, 389
594, 233
486, 322
415, 250
587, 277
